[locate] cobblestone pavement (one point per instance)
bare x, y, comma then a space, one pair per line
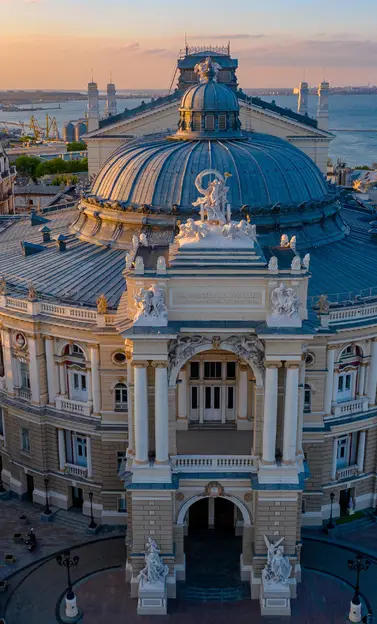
50, 536
322, 599
360, 534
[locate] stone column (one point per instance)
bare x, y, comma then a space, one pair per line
290, 413
96, 385
8, 360
62, 453
182, 393
201, 392
242, 391
334, 454
372, 377
361, 451
35, 384
223, 392
141, 412
51, 369
335, 385
62, 379
130, 449
361, 380
270, 412
89, 457
161, 412
300, 420
330, 361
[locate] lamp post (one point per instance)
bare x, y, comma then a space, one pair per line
92, 524
47, 510
330, 525
358, 566
65, 560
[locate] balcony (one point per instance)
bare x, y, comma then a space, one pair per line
347, 472
213, 463
76, 471
23, 393
351, 407
74, 407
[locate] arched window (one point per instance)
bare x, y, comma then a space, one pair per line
307, 399
76, 375
74, 350
121, 397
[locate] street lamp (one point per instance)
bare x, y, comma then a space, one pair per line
47, 510
330, 524
358, 566
92, 524
65, 561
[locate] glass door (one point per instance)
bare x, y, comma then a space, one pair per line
212, 403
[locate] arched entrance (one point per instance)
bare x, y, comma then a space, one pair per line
212, 550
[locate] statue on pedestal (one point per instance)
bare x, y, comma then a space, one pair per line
214, 200
155, 570
278, 568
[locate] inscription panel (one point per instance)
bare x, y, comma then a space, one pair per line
202, 297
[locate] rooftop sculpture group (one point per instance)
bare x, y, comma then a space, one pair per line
151, 308
214, 200
285, 301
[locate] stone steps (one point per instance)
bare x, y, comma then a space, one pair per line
71, 520
191, 593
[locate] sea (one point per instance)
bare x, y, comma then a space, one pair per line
356, 115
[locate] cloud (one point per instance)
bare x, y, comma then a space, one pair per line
155, 51
226, 37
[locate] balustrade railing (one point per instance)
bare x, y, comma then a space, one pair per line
76, 471
347, 472
51, 309
23, 393
208, 463
75, 407
351, 407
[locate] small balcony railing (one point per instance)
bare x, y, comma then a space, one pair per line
74, 407
210, 463
347, 472
23, 393
351, 407
76, 471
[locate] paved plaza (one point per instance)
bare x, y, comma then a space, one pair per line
37, 583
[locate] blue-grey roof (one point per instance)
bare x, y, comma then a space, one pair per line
160, 172
209, 96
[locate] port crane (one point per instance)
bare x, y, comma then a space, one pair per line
33, 128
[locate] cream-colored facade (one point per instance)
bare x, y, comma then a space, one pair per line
7, 178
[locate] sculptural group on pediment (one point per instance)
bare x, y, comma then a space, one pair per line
183, 347
231, 230
193, 229
151, 308
249, 348
285, 301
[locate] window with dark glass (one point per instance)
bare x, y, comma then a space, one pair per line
121, 455
194, 398
222, 122
210, 122
212, 370
194, 370
230, 402
208, 397
121, 397
197, 121
307, 398
216, 397
230, 370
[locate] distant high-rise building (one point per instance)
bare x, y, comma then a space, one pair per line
303, 94
323, 105
93, 107
111, 103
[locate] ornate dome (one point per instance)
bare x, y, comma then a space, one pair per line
209, 96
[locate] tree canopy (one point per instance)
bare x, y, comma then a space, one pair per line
76, 146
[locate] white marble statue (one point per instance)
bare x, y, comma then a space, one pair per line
278, 568
183, 347
292, 243
135, 242
285, 301
306, 261
151, 308
273, 265
214, 200
139, 265
128, 261
143, 240
192, 229
161, 265
203, 68
249, 348
249, 229
296, 264
155, 570
229, 230
284, 241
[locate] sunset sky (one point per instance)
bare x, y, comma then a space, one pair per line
55, 43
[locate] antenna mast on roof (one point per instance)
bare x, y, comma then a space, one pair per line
186, 43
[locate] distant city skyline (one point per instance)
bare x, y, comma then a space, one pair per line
55, 44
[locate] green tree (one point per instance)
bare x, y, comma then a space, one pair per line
363, 167
65, 179
28, 165
76, 146
74, 166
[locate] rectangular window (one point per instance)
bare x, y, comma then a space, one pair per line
230, 403
121, 455
122, 505
342, 448
210, 122
230, 370
194, 370
25, 377
197, 122
75, 381
208, 397
194, 397
212, 370
1, 423
83, 382
25, 440
216, 397
348, 382
222, 122
307, 400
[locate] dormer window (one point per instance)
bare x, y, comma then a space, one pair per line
197, 122
210, 122
222, 122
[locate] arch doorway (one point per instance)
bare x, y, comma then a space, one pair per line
213, 549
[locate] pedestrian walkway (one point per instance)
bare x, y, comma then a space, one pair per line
360, 534
51, 536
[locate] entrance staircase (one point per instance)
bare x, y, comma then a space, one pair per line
72, 520
190, 593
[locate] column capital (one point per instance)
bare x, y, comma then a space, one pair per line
374, 339
364, 363
32, 336
49, 337
94, 346
332, 347
140, 364
128, 353
292, 365
273, 364
243, 366
160, 364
